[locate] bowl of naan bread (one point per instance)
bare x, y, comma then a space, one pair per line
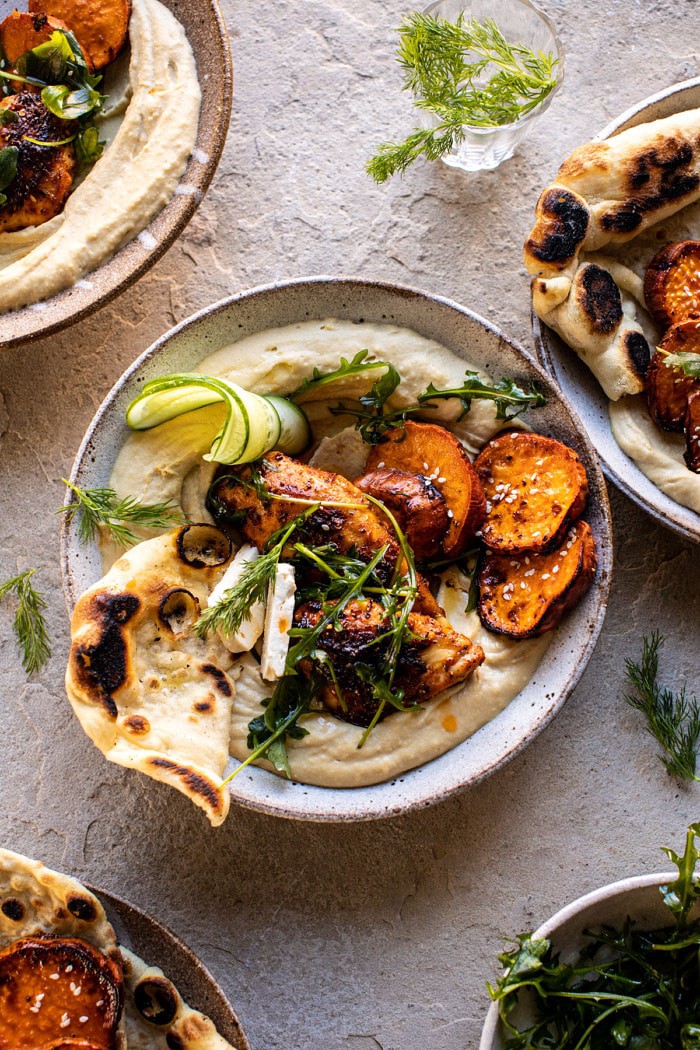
615, 262
83, 968
113, 116
358, 554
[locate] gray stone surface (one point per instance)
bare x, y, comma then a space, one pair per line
380, 935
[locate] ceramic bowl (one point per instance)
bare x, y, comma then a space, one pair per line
159, 946
637, 897
206, 32
575, 379
472, 338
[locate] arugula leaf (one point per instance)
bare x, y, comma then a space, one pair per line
269, 732
382, 388
8, 168
680, 895
511, 400
88, 145
71, 103
29, 623
48, 62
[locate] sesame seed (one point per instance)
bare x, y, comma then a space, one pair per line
54, 976
545, 575
382, 464
69, 968
65, 1021
84, 1018
450, 514
555, 568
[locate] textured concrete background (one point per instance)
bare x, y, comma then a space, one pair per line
382, 935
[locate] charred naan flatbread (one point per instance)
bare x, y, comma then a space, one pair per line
147, 691
157, 1018
606, 193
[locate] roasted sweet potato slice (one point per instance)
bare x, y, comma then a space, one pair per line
668, 388
692, 433
525, 595
101, 26
672, 283
58, 992
21, 31
436, 454
418, 506
535, 487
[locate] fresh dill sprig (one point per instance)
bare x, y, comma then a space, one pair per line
673, 719
29, 624
228, 615
446, 66
102, 506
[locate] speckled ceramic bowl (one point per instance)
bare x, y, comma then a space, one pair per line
637, 897
158, 946
575, 379
206, 32
477, 341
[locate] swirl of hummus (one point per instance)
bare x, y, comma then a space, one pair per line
150, 126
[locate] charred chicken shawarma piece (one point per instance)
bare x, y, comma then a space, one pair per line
432, 658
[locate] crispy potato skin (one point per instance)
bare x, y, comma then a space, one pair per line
429, 450
434, 658
44, 173
535, 487
101, 28
526, 595
672, 283
668, 389
418, 506
692, 433
22, 31
26, 966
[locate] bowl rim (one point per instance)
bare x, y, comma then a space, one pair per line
186, 206
599, 592
619, 888
121, 907
680, 521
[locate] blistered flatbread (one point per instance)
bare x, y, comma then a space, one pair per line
157, 1018
147, 690
606, 193
36, 901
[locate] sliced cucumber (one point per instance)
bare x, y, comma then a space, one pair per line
254, 424
295, 432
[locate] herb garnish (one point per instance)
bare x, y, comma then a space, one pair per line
70, 89
102, 506
445, 64
673, 719
374, 422
29, 624
628, 988
8, 166
685, 362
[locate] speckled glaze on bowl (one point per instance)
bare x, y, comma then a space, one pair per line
578, 382
637, 897
207, 33
472, 338
158, 946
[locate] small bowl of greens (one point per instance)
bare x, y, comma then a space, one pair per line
616, 968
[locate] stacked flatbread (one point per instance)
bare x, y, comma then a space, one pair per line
605, 194
40, 903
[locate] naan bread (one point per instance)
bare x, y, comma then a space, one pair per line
157, 1018
606, 193
34, 900
147, 691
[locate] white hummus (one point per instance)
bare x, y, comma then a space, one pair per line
165, 463
657, 453
150, 125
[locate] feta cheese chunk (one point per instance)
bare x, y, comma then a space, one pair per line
279, 617
250, 630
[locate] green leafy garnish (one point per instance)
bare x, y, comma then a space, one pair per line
673, 719
685, 362
228, 615
29, 624
71, 103
445, 67
269, 732
8, 116
510, 399
89, 147
8, 168
103, 507
628, 988
383, 387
